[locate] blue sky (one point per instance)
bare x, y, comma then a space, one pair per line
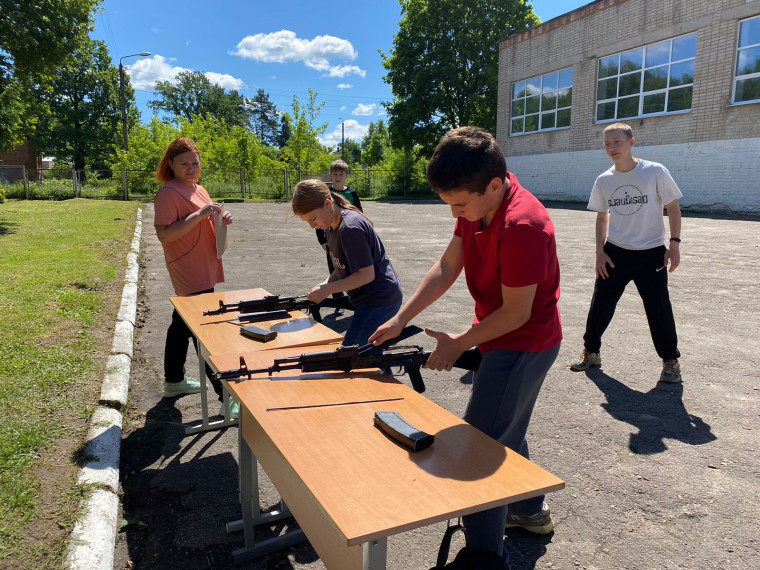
283, 47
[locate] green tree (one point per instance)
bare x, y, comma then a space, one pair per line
34, 39
303, 152
375, 144
264, 117
443, 67
195, 96
283, 133
351, 151
83, 127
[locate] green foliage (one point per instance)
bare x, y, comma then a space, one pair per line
194, 96
83, 127
443, 68
264, 117
303, 152
2, 195
375, 144
35, 38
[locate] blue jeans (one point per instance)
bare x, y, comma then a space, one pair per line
504, 392
365, 321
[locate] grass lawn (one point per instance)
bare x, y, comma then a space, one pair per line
61, 275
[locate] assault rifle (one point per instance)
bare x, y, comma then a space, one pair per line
355, 357
274, 307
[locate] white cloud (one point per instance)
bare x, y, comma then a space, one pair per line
364, 110
225, 80
353, 130
284, 46
144, 73
344, 86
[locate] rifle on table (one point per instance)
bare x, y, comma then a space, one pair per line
275, 307
355, 357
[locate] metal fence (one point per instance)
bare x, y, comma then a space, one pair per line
20, 182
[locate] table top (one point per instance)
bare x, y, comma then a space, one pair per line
221, 333
369, 486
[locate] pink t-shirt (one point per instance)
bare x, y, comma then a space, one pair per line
517, 249
191, 260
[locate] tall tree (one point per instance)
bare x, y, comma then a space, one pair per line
34, 40
375, 144
195, 95
265, 118
443, 67
83, 125
303, 152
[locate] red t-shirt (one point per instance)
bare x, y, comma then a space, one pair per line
517, 249
191, 260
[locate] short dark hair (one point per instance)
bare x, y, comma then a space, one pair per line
338, 165
467, 158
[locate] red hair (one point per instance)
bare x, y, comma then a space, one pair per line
179, 146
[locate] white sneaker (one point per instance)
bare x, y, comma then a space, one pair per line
187, 386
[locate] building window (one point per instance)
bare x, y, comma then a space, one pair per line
542, 103
657, 79
747, 74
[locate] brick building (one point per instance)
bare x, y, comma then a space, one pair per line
685, 74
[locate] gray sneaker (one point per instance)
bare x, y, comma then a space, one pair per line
187, 386
671, 371
586, 360
539, 523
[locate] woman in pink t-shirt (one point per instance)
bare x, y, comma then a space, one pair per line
184, 221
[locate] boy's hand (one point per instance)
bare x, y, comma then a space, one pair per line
388, 330
602, 260
319, 293
324, 246
446, 352
673, 253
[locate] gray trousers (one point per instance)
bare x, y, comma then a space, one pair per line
504, 392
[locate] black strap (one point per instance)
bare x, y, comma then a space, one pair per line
443, 550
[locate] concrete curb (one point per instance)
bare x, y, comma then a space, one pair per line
92, 542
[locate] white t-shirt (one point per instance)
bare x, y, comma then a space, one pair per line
635, 200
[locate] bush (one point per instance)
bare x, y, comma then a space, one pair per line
2, 195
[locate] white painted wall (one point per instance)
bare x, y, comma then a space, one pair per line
714, 175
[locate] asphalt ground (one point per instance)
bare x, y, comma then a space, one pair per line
658, 476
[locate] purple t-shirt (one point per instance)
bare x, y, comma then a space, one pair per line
355, 244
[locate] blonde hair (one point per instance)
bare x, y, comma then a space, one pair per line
310, 195
179, 146
624, 127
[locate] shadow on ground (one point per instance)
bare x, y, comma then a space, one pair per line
658, 414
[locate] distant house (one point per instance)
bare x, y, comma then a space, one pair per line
24, 155
685, 74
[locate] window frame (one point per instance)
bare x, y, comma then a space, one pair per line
541, 94
736, 78
641, 94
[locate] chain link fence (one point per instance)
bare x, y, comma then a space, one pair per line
20, 182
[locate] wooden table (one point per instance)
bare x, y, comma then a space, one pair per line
348, 485
221, 334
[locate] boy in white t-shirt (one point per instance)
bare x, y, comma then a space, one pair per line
630, 246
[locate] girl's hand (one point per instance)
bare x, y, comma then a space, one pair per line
319, 293
226, 218
210, 209
446, 352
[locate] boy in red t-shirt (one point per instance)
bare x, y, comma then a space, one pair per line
504, 241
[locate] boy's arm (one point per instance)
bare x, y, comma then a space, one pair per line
673, 252
515, 310
602, 259
357, 202
436, 282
